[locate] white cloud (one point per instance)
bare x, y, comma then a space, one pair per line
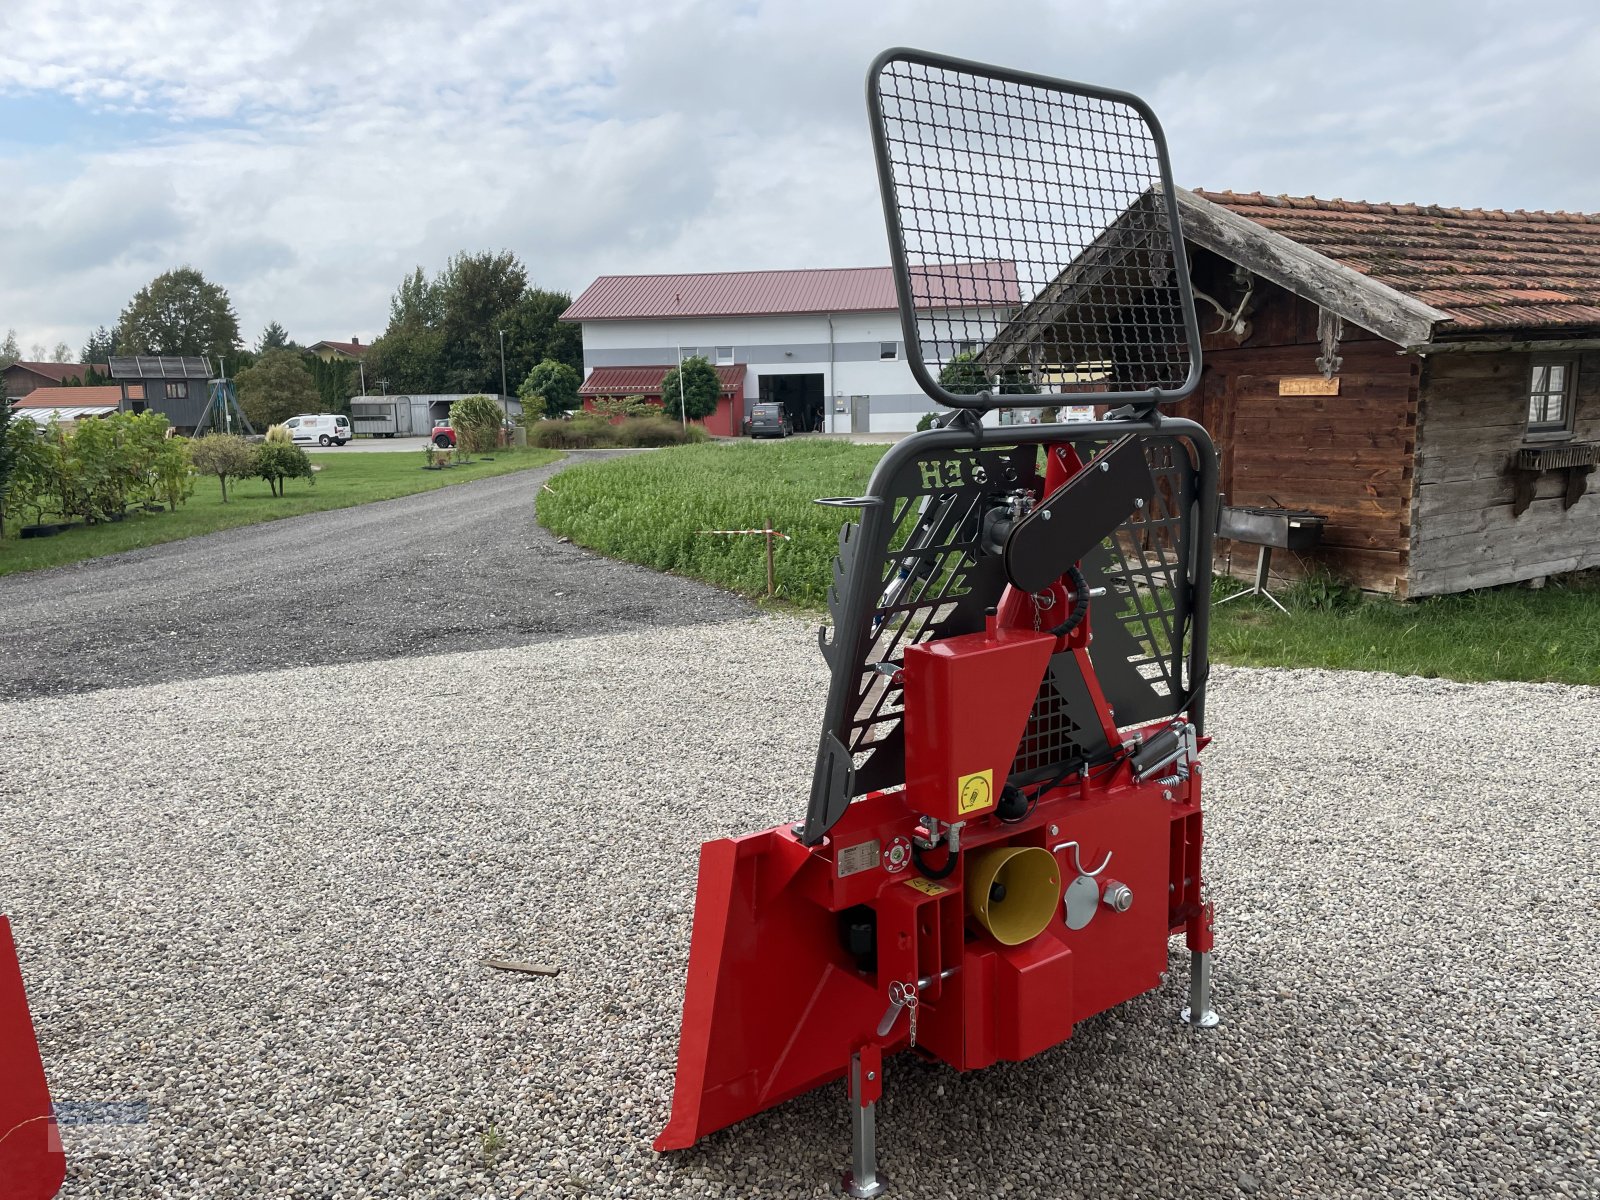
307, 157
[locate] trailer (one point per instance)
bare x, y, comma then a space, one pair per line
387, 417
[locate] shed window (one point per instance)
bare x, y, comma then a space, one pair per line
177, 389
1550, 397
724, 356
888, 350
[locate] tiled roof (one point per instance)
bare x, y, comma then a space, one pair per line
770, 293
60, 372
353, 349
646, 381
1485, 268
73, 397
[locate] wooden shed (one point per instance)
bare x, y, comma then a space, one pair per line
1428, 378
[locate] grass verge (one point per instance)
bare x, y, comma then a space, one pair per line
345, 479
651, 510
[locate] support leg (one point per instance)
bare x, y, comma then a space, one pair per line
1199, 1013
866, 1085
1200, 992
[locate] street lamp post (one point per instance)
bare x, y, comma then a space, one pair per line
505, 404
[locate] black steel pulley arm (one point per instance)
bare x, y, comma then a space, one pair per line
1078, 515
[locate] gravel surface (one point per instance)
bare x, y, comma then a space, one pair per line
464, 567
259, 903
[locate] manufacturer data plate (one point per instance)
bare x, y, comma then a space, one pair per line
863, 856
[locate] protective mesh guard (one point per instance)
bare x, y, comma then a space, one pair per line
913, 570
1032, 225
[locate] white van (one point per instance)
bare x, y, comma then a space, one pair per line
325, 429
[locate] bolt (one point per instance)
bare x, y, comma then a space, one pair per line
1045, 515
1139, 503
1105, 466
1167, 794
1054, 830
871, 1075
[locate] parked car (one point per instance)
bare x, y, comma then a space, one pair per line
443, 436
769, 420
325, 429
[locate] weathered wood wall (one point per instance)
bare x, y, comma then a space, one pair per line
1474, 412
1349, 456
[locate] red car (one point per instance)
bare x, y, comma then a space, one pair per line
443, 436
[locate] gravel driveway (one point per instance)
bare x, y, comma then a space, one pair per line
462, 567
258, 903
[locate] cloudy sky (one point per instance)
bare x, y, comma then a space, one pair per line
307, 155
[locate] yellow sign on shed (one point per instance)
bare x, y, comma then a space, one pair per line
1308, 385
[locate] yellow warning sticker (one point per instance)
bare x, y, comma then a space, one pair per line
974, 792
927, 887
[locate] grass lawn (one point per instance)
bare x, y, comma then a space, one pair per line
345, 479
651, 510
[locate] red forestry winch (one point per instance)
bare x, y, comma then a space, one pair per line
1004, 827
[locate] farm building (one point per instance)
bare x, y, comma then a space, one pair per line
824, 343
1426, 378
177, 387
22, 378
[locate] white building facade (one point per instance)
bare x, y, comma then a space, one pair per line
827, 344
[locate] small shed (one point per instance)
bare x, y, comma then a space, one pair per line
177, 387
620, 382
1426, 377
68, 403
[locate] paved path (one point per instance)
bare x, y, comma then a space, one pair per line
464, 567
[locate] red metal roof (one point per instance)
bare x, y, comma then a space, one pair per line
775, 293
646, 381
1486, 268
70, 397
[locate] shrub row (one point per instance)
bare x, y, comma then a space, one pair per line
594, 433
94, 470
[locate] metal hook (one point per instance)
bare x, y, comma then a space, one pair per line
1078, 864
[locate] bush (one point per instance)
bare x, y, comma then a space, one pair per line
280, 435
614, 408
594, 433
275, 462
225, 455
477, 421
927, 421
655, 431
551, 388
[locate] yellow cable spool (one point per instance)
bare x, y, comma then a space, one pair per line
1013, 891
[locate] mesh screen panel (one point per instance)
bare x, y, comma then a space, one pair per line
1033, 222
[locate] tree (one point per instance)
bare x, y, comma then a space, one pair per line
10, 352
476, 420
276, 388
699, 390
964, 375
276, 461
62, 353
273, 337
8, 460
225, 455
553, 386
444, 334
100, 346
179, 313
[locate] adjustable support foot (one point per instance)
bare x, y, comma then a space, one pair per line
1199, 1012
866, 1085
